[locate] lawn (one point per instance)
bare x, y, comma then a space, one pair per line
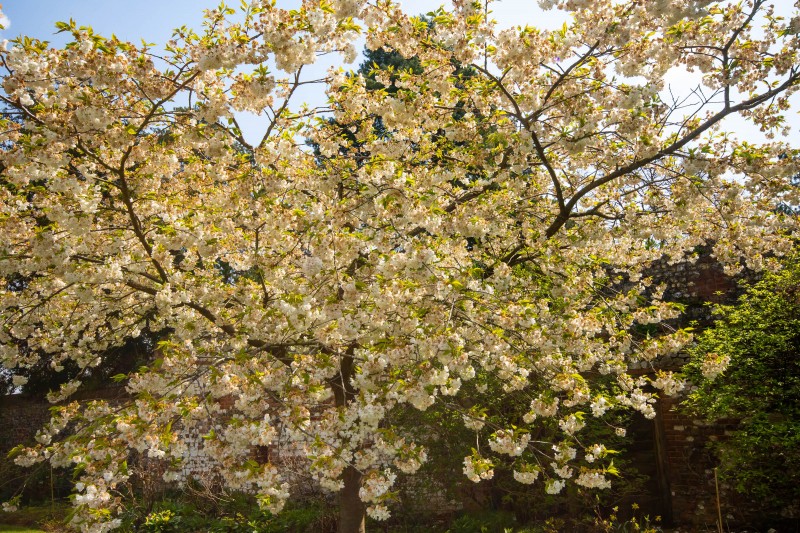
35, 519
20, 529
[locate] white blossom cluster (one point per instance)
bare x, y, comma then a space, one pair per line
592, 480
526, 476
714, 364
477, 468
554, 486
509, 442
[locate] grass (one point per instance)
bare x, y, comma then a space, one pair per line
35, 519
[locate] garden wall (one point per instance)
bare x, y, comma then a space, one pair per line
681, 442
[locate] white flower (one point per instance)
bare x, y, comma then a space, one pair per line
477, 468
86, 46
376, 485
564, 452
593, 480
474, 421
541, 406
378, 512
667, 383
714, 364
595, 452
562, 471
505, 441
9, 507
526, 476
599, 406
554, 486
571, 424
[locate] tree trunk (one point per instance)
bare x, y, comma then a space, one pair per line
352, 511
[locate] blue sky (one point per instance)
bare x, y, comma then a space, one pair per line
153, 20
131, 21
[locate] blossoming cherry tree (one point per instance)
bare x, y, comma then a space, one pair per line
495, 231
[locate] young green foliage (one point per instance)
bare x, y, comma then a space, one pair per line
747, 368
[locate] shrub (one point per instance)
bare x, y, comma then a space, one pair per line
747, 367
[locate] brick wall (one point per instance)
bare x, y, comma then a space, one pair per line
19, 419
687, 463
691, 467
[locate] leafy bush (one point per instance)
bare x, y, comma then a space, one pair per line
747, 367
